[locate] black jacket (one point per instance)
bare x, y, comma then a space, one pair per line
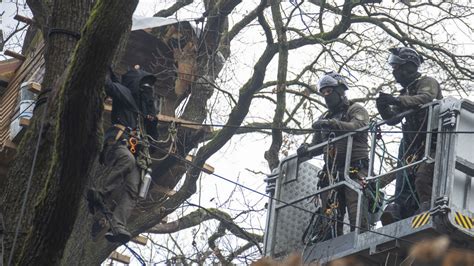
421, 91
130, 101
352, 117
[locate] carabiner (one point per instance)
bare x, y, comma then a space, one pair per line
133, 143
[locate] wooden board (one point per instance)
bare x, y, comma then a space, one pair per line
24, 122
9, 100
119, 257
182, 122
206, 168
141, 240
15, 55
34, 87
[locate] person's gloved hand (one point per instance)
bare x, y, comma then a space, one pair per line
387, 99
302, 149
323, 124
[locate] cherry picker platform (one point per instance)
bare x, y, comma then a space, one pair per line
293, 185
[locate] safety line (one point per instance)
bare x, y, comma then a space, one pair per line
136, 255
280, 201
319, 130
28, 186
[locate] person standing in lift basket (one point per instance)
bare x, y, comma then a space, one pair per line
342, 116
417, 90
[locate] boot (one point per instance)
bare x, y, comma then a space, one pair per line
118, 234
391, 214
424, 206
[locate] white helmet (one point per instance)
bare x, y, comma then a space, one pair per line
332, 79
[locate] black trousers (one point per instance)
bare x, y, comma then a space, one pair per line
348, 200
121, 184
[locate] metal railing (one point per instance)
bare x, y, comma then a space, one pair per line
272, 180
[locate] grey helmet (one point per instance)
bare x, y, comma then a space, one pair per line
332, 79
402, 55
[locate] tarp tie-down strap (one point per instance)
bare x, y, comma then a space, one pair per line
74, 34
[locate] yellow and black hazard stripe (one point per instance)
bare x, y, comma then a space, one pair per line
420, 220
464, 221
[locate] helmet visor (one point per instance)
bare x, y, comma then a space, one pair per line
396, 60
327, 81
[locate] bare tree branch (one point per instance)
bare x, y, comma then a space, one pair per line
172, 9
271, 155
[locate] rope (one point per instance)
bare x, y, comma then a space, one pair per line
319, 130
28, 184
74, 34
283, 202
172, 135
374, 129
136, 255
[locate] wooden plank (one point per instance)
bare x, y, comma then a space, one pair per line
11, 95
9, 67
184, 123
9, 100
9, 145
141, 240
169, 119
23, 19
107, 107
119, 257
206, 168
34, 87
24, 122
15, 55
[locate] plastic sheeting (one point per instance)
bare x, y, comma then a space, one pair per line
140, 23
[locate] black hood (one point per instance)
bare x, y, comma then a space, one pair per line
136, 77
143, 95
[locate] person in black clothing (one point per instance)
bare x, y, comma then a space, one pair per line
417, 90
342, 116
133, 106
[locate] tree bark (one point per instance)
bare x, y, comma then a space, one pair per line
76, 123
271, 155
58, 47
62, 174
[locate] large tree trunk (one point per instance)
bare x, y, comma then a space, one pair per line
57, 51
73, 134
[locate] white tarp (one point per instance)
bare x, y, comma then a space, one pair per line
140, 23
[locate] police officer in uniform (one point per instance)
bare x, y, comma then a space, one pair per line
132, 100
342, 116
417, 90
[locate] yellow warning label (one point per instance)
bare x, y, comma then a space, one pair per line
464, 221
420, 220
